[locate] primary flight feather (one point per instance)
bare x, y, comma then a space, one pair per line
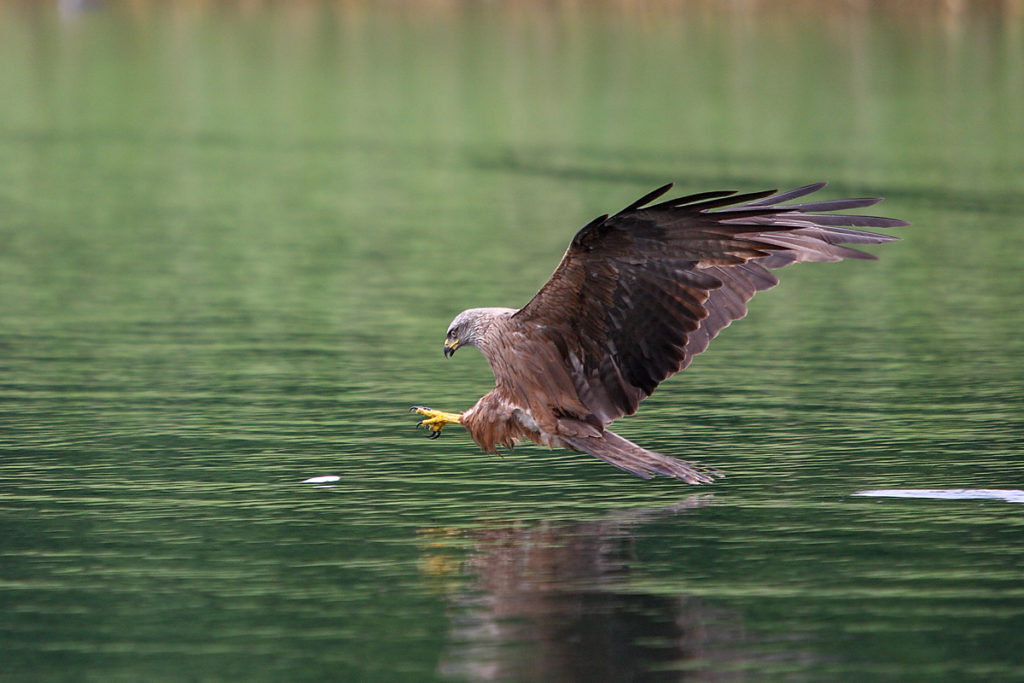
636, 296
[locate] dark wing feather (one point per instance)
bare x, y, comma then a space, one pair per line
639, 294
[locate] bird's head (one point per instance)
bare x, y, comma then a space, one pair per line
470, 327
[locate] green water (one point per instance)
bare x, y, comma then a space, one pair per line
231, 240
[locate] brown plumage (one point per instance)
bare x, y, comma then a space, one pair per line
636, 296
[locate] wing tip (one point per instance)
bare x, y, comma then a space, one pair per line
647, 198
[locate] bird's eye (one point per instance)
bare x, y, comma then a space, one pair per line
452, 333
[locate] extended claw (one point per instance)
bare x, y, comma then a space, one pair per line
435, 420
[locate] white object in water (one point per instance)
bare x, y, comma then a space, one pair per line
1009, 495
326, 479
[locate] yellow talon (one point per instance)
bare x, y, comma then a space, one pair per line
436, 420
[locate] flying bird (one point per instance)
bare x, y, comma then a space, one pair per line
635, 297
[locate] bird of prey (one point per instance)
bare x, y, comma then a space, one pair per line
636, 296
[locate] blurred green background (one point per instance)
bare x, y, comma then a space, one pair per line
232, 235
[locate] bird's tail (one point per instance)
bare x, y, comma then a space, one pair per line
626, 455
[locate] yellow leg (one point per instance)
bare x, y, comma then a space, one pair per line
435, 420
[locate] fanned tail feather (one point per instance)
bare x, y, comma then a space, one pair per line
627, 456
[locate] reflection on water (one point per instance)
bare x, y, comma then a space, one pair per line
553, 602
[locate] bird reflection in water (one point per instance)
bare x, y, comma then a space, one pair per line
552, 601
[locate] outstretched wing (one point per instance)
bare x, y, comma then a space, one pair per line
639, 294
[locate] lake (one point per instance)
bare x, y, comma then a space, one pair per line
232, 236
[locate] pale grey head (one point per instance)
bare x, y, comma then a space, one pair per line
470, 327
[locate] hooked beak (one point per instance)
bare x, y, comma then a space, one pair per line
449, 347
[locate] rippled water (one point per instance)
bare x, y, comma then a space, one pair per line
232, 241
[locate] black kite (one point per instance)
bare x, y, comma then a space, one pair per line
636, 296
